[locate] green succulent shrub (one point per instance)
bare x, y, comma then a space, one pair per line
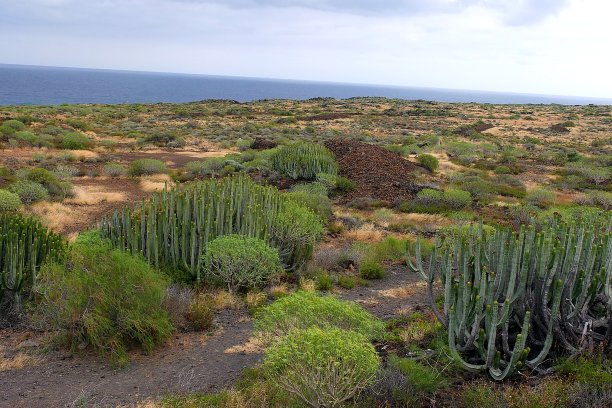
75, 141
304, 309
429, 200
239, 262
345, 185
319, 204
304, 161
24, 245
174, 227
428, 161
146, 167
316, 188
515, 317
29, 191
105, 298
9, 202
322, 367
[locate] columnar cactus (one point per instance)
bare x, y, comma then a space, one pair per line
304, 161
174, 226
509, 295
24, 245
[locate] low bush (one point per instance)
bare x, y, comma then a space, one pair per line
103, 297
201, 311
75, 141
240, 262
9, 201
304, 309
29, 191
345, 185
11, 126
541, 197
322, 367
428, 161
55, 187
421, 378
319, 204
113, 170
324, 282
145, 167
316, 188
433, 201
371, 269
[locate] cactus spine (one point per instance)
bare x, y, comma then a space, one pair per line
509, 295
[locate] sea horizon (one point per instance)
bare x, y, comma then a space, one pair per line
50, 85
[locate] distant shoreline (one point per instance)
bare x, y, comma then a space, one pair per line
39, 85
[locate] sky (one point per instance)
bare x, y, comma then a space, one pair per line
556, 47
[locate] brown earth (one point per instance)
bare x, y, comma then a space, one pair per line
190, 362
378, 173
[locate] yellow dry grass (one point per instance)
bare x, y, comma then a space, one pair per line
18, 362
156, 182
55, 215
93, 195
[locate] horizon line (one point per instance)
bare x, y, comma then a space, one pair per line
372, 85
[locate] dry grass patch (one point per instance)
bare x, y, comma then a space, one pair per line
18, 362
156, 182
93, 195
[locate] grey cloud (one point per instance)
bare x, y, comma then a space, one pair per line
517, 12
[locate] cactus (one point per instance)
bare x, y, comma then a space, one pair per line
24, 245
175, 225
304, 161
509, 296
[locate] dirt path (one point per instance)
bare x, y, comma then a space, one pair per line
190, 362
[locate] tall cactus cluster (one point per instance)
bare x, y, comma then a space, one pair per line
512, 297
175, 225
24, 245
304, 161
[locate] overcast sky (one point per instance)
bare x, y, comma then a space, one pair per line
561, 47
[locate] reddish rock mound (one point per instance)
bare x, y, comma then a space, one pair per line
378, 173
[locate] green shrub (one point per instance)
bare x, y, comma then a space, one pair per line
113, 170
11, 126
345, 185
456, 199
56, 187
370, 269
421, 378
200, 312
316, 188
29, 191
145, 167
322, 367
304, 309
428, 161
27, 137
319, 204
324, 282
597, 198
587, 370
327, 180
304, 161
75, 141
502, 170
541, 197
240, 262
431, 201
9, 201
105, 298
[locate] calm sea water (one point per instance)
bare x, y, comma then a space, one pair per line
50, 86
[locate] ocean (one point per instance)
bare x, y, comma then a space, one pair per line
36, 85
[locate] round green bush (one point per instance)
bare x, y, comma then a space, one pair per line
113, 170
145, 167
240, 262
541, 197
75, 141
29, 191
9, 127
304, 161
322, 367
428, 161
319, 204
103, 297
56, 187
370, 269
304, 309
456, 199
9, 201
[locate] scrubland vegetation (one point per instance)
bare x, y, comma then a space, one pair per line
377, 253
